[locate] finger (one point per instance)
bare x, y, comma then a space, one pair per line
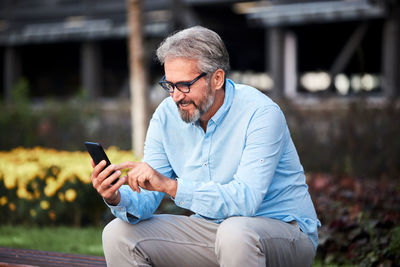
99, 167
105, 173
108, 181
132, 182
111, 192
143, 182
135, 186
119, 183
104, 186
96, 171
126, 165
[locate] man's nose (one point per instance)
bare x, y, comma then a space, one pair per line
177, 95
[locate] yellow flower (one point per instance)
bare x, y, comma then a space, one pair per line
12, 206
3, 200
51, 186
61, 196
44, 204
21, 166
70, 195
33, 212
22, 192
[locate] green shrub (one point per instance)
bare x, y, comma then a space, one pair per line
360, 219
355, 140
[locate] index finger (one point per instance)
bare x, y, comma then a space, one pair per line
125, 165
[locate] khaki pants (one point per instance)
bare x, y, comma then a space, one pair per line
171, 240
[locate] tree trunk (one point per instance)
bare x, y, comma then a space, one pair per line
137, 76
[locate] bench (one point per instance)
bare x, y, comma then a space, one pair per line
30, 258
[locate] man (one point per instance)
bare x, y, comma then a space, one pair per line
221, 150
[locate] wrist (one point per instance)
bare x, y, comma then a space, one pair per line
114, 201
172, 186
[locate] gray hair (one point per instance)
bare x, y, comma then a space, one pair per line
196, 43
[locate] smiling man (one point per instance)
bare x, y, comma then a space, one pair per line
223, 151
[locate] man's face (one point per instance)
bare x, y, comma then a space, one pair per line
193, 105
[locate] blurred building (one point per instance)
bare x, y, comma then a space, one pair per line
296, 49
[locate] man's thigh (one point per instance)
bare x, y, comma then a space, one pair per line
163, 240
262, 242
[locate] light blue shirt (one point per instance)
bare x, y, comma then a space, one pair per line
245, 164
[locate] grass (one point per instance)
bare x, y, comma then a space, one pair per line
85, 241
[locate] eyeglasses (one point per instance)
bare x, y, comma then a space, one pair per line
184, 87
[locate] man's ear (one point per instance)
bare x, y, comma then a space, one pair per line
218, 79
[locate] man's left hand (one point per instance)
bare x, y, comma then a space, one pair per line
141, 175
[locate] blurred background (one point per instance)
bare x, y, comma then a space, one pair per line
77, 70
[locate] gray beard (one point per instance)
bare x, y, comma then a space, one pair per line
199, 111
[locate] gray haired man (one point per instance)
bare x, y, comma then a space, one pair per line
222, 150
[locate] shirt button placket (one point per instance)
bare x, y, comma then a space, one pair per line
207, 148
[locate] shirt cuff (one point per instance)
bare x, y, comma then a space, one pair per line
184, 193
123, 202
124, 208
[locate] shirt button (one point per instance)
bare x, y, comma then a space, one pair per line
181, 203
205, 164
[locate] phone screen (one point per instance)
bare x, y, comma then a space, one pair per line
97, 153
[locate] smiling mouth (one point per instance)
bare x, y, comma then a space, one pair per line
184, 104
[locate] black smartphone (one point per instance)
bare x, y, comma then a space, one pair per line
97, 153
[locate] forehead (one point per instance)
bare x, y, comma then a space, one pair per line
180, 69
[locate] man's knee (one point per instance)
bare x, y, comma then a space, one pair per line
110, 234
244, 241
119, 245
234, 231
236, 241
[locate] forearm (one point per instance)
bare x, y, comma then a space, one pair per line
218, 201
140, 206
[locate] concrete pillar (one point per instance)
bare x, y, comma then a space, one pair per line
12, 70
391, 54
275, 60
290, 65
91, 69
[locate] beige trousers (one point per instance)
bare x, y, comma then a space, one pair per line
171, 240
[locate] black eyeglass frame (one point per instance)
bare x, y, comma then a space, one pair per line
179, 85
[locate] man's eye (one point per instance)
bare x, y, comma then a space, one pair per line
167, 85
181, 85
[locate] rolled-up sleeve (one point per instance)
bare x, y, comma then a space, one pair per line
133, 206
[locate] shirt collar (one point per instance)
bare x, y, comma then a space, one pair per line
228, 99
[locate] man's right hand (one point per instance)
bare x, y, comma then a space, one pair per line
101, 180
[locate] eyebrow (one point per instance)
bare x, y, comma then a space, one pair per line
181, 81
177, 82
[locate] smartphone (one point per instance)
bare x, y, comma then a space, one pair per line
97, 153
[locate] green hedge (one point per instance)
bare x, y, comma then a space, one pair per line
354, 140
